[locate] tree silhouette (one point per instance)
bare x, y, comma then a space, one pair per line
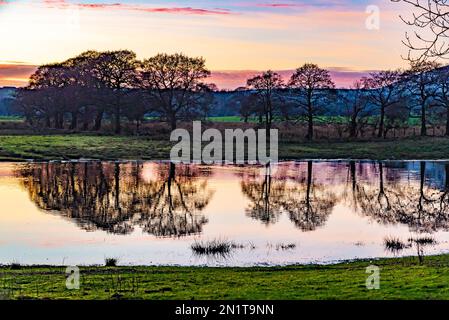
117, 72
267, 86
431, 22
384, 91
312, 85
422, 89
175, 85
442, 94
356, 108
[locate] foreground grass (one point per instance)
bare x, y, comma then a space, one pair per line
431, 148
59, 147
401, 278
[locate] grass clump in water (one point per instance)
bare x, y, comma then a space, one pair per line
395, 244
214, 247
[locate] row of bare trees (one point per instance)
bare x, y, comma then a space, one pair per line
114, 83
384, 99
83, 91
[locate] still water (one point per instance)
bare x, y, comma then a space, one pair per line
152, 212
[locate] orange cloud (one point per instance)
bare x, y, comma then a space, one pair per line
15, 73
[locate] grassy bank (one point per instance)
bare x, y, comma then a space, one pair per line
402, 278
57, 147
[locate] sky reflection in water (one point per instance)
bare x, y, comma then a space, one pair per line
151, 213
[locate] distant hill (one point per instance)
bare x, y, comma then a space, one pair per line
223, 103
6, 98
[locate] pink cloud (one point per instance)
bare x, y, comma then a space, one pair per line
187, 10
179, 10
17, 74
230, 80
277, 5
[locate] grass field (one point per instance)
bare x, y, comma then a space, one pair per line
318, 119
11, 119
412, 121
59, 147
400, 278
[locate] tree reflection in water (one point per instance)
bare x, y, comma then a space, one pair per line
423, 208
118, 197
114, 197
307, 204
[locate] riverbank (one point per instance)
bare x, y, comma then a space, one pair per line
64, 147
400, 278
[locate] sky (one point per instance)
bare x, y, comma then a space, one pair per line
238, 38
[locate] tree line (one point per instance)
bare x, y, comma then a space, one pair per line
95, 85
383, 99
83, 91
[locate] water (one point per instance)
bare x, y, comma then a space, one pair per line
150, 213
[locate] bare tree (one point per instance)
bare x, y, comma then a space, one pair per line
384, 90
442, 96
48, 84
267, 86
117, 72
312, 85
421, 79
356, 105
430, 20
246, 104
175, 84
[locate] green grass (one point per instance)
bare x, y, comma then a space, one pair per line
412, 121
432, 148
59, 147
230, 119
401, 278
11, 119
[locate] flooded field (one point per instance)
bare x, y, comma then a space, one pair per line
157, 213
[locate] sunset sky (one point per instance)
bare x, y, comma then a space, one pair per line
237, 37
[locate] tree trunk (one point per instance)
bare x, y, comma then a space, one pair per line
85, 125
447, 122
118, 127
381, 124
74, 123
98, 119
59, 121
172, 120
423, 121
309, 127
353, 127
47, 121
